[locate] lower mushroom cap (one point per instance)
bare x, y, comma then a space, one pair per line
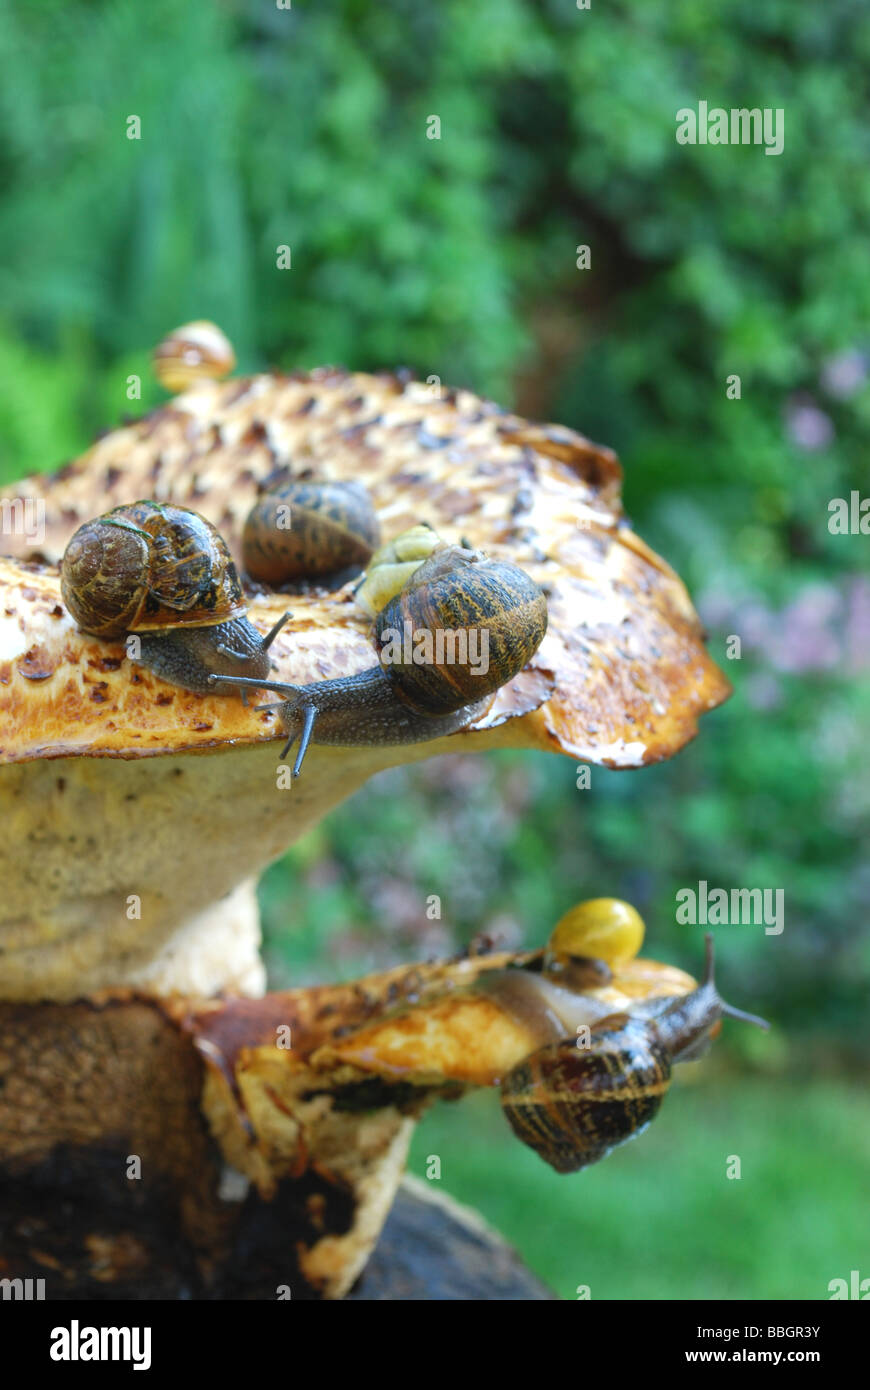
301, 1093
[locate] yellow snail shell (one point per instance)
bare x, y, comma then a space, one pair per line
604, 929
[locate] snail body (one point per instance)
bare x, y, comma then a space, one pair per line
303, 532
191, 656
429, 682
165, 574
547, 1010
573, 1103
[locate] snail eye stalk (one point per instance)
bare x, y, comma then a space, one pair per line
309, 715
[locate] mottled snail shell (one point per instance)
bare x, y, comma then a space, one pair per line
147, 566
459, 592
194, 352
574, 1106
309, 531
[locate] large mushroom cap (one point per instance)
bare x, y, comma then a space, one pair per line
623, 667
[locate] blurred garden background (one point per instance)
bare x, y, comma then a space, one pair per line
457, 257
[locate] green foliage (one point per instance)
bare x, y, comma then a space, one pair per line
307, 127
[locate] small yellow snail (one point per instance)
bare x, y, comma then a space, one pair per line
572, 1103
392, 565
309, 531
194, 352
165, 573
461, 628
600, 929
550, 999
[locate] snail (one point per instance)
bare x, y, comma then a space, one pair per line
195, 352
573, 1104
392, 565
164, 572
605, 928
549, 994
309, 531
590, 938
460, 628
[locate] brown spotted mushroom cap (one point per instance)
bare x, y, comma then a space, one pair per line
620, 678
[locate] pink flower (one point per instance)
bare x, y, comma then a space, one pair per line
844, 373
808, 426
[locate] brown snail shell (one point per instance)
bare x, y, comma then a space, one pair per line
147, 566
459, 594
194, 352
309, 531
573, 1105
165, 574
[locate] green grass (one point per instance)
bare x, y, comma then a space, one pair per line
659, 1219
